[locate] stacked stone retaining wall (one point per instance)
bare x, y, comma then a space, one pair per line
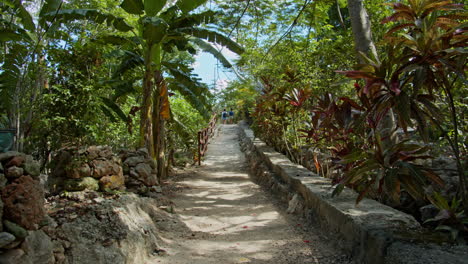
371, 232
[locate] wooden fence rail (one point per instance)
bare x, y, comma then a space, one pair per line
203, 137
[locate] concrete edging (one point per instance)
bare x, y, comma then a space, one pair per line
371, 232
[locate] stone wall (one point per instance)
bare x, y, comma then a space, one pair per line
22, 212
139, 168
91, 168
370, 232
81, 225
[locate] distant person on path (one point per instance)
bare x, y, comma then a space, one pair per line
231, 116
224, 116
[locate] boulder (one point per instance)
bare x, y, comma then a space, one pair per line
14, 172
93, 152
12, 256
6, 238
113, 182
116, 231
15, 161
3, 181
31, 167
8, 155
105, 152
145, 175
38, 248
134, 161
143, 152
24, 202
104, 167
78, 171
86, 183
15, 229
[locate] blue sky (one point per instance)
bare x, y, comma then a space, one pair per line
205, 67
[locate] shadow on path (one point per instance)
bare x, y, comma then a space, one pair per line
229, 219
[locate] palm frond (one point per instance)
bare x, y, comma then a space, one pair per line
94, 15
194, 99
130, 61
212, 50
212, 36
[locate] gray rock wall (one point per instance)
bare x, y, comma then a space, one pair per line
371, 232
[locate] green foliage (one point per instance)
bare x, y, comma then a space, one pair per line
451, 217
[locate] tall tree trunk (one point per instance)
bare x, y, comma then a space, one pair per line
362, 33
159, 137
146, 128
158, 125
361, 27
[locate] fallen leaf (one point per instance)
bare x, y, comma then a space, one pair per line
306, 241
245, 227
244, 260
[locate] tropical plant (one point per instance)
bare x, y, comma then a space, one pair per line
161, 29
451, 217
421, 64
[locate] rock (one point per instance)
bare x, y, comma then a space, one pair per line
133, 173
134, 161
123, 232
24, 202
428, 211
93, 152
104, 168
78, 172
86, 183
1, 214
6, 238
157, 189
38, 248
114, 182
31, 167
8, 155
48, 221
125, 168
15, 229
106, 152
145, 174
12, 256
3, 181
295, 205
14, 172
85, 171
13, 244
131, 182
143, 152
60, 258
15, 161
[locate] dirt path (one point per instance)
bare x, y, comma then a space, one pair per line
225, 218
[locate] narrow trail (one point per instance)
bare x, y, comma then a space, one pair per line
226, 218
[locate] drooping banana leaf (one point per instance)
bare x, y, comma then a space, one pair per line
94, 15
212, 50
212, 36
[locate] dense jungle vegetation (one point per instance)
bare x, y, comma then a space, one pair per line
376, 89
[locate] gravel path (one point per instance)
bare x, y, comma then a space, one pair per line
223, 217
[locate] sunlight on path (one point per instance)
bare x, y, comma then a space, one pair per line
229, 218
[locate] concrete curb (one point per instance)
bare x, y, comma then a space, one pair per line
367, 231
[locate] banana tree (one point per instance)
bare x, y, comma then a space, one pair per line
161, 28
